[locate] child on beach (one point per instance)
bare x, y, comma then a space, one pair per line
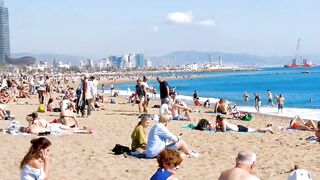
168, 161
36, 162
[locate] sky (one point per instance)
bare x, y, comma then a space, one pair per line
99, 28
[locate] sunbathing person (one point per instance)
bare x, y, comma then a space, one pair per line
223, 125
35, 163
221, 106
159, 135
168, 162
178, 108
39, 126
68, 118
298, 123
139, 136
245, 162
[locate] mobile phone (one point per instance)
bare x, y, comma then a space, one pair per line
180, 134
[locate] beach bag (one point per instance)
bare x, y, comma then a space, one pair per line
119, 149
202, 125
42, 108
247, 117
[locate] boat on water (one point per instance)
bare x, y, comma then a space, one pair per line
305, 63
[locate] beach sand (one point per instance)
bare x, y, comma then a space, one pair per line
89, 156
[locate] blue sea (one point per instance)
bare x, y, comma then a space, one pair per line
300, 90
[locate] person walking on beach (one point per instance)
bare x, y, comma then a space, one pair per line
140, 94
270, 98
164, 90
257, 102
245, 163
280, 102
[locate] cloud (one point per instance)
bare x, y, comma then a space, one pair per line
180, 17
207, 23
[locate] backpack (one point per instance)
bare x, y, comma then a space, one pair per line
202, 125
119, 149
247, 117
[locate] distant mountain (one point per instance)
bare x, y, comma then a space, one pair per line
189, 57
74, 60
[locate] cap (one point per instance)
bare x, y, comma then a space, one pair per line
300, 174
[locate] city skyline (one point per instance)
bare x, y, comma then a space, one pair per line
102, 28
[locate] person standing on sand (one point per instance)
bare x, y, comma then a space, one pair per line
280, 102
257, 102
140, 94
270, 98
164, 90
245, 162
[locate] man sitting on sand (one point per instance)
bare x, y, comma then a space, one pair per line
223, 125
245, 162
221, 106
298, 123
159, 135
178, 108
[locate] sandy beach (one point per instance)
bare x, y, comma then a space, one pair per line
88, 156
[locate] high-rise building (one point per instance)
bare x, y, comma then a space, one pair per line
140, 61
4, 33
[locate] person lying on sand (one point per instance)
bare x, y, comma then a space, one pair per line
223, 125
38, 126
298, 123
168, 161
245, 162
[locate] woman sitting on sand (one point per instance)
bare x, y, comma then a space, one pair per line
41, 126
139, 136
298, 123
68, 117
223, 125
35, 163
169, 162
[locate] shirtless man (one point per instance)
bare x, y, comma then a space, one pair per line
182, 107
221, 106
245, 162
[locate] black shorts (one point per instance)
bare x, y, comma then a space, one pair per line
242, 128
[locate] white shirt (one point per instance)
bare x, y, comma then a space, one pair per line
164, 111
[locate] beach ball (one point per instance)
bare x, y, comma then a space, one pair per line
300, 174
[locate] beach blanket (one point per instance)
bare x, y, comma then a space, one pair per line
192, 126
211, 112
312, 139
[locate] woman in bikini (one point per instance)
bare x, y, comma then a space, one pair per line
223, 125
38, 126
298, 123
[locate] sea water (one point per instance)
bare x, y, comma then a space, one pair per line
300, 89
